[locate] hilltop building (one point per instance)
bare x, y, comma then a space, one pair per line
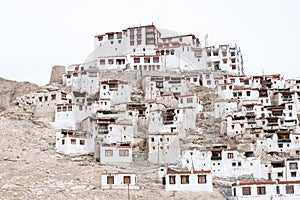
147, 94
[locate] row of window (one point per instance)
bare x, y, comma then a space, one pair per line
270, 123
147, 60
160, 139
73, 142
111, 180
261, 190
111, 87
122, 153
170, 40
111, 62
147, 67
165, 52
239, 94
216, 53
53, 97
150, 39
185, 179
188, 100
209, 82
64, 108
280, 174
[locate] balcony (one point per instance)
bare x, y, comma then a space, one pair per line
284, 141
272, 124
113, 88
216, 158
166, 122
251, 122
102, 132
174, 81
287, 99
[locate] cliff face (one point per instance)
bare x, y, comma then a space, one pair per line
9, 90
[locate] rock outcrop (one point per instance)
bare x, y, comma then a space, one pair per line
9, 90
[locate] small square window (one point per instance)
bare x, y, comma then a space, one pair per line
201, 179
110, 61
185, 179
172, 179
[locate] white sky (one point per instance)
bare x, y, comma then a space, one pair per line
35, 34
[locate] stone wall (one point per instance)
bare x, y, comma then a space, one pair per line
57, 73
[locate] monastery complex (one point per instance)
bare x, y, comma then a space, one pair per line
151, 95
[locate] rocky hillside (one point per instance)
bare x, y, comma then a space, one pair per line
31, 169
9, 90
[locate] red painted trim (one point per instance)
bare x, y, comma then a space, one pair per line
189, 172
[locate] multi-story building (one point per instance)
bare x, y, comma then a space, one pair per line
146, 48
163, 147
223, 162
46, 99
115, 92
225, 57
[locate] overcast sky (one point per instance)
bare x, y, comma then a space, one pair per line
35, 34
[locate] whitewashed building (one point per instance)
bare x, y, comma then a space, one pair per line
196, 160
67, 115
114, 92
155, 86
116, 126
146, 48
71, 142
46, 99
184, 180
281, 141
265, 190
120, 133
238, 80
115, 153
223, 162
164, 148
224, 91
293, 168
71, 78
225, 57
188, 108
119, 180
223, 108
211, 79
89, 81
162, 119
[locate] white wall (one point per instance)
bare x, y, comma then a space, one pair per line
82, 145
115, 157
119, 182
163, 148
193, 185
270, 189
